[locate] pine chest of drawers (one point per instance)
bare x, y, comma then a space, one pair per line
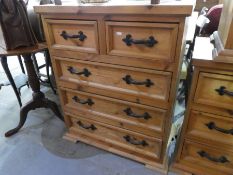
117, 68
205, 146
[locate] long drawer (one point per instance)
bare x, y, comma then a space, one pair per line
209, 127
207, 160
134, 142
74, 35
215, 90
151, 41
138, 118
130, 84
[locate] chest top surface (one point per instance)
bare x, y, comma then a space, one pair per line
172, 7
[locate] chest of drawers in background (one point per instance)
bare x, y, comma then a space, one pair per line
206, 141
117, 68
205, 147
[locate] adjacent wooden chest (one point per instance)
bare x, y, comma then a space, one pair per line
205, 145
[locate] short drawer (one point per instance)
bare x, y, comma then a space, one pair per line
215, 90
138, 118
154, 41
130, 84
74, 35
132, 141
209, 127
208, 160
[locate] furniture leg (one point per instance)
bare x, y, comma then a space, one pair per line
10, 78
22, 68
48, 64
38, 100
21, 63
35, 64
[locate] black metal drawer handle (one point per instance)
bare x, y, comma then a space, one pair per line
230, 112
85, 71
80, 35
130, 113
150, 42
223, 91
128, 79
92, 127
221, 159
211, 125
88, 101
134, 141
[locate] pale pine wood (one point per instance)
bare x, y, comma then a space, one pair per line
111, 111
198, 130
115, 136
110, 78
164, 34
206, 106
89, 28
105, 86
192, 158
76, 136
117, 60
206, 90
183, 7
213, 110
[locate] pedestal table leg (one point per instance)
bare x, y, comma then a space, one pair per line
38, 98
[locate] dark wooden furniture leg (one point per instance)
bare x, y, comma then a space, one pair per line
49, 64
21, 63
35, 64
38, 98
10, 78
23, 71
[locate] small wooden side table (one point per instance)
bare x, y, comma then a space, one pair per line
38, 97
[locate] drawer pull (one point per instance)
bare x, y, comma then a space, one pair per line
130, 113
150, 42
92, 127
85, 71
88, 101
221, 159
80, 35
128, 79
222, 91
230, 112
134, 141
212, 125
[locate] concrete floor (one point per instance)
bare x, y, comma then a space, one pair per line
38, 149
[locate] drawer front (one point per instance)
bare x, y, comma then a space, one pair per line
73, 35
123, 138
122, 82
209, 127
206, 159
154, 41
137, 118
215, 90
